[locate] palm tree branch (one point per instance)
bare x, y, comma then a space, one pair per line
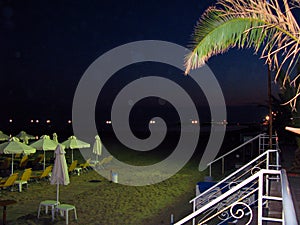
218, 37
216, 34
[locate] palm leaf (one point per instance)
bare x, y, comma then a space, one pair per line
214, 36
248, 24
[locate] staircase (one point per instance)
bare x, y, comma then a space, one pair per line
256, 193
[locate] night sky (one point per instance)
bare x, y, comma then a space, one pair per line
46, 46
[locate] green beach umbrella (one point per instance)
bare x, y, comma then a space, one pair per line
3, 137
45, 144
74, 143
14, 146
25, 137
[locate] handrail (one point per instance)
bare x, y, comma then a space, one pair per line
233, 150
233, 174
237, 148
226, 194
290, 217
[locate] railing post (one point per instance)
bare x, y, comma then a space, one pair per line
260, 199
223, 166
268, 160
259, 145
277, 159
267, 176
263, 144
194, 209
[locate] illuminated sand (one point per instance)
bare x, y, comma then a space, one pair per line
105, 202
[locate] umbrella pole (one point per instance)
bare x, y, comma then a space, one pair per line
57, 192
44, 159
12, 163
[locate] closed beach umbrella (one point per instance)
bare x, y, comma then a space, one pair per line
60, 175
45, 144
97, 147
74, 143
3, 137
55, 138
14, 146
25, 137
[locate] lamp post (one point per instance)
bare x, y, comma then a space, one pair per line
270, 107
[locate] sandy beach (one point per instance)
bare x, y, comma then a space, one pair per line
101, 202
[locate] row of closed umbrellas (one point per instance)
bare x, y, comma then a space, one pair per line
14, 146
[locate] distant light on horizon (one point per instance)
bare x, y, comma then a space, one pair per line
69, 121
31, 121
48, 121
37, 121
10, 120
108, 122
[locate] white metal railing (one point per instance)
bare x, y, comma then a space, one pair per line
263, 144
289, 213
240, 207
263, 161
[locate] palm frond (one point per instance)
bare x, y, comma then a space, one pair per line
269, 27
214, 36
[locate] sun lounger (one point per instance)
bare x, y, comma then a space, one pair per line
106, 161
5, 164
42, 175
72, 167
86, 165
23, 162
37, 162
24, 179
5, 167
9, 182
101, 164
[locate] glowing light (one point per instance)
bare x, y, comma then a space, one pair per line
10, 120
194, 121
69, 121
37, 121
31, 121
48, 121
152, 121
225, 122
267, 117
108, 122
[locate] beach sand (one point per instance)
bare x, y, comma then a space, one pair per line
107, 203
99, 201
